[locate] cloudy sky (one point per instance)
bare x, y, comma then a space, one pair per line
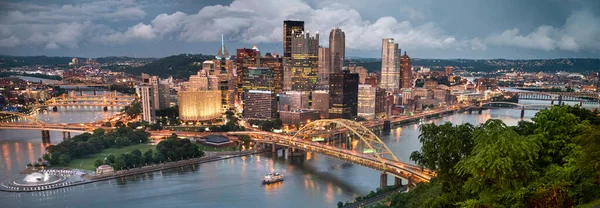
477, 29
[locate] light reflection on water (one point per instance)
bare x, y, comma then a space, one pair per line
312, 181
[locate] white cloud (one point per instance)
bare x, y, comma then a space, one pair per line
138, 32
260, 21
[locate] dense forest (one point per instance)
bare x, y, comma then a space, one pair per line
551, 162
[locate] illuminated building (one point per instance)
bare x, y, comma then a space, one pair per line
372, 79
448, 70
337, 49
366, 101
343, 93
290, 28
293, 100
259, 104
223, 68
145, 94
200, 98
324, 64
259, 78
298, 116
159, 89
381, 105
275, 62
430, 84
320, 102
390, 64
246, 58
406, 70
304, 62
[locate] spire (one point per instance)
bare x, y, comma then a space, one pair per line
223, 53
255, 48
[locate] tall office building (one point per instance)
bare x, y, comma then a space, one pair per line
274, 62
406, 70
290, 29
390, 64
324, 64
293, 100
259, 104
222, 66
343, 93
361, 71
320, 102
337, 49
366, 101
200, 98
146, 98
245, 58
160, 100
304, 62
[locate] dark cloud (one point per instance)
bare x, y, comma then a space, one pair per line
426, 28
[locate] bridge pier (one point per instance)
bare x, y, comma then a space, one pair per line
55, 109
470, 111
552, 102
45, 136
480, 111
286, 152
69, 134
383, 180
409, 184
397, 182
64, 134
560, 100
105, 108
522, 113
387, 126
273, 147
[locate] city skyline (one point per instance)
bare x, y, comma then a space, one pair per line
429, 29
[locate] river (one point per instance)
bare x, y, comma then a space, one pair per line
311, 181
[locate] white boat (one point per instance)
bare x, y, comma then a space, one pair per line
272, 178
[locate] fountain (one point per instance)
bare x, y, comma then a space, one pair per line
38, 179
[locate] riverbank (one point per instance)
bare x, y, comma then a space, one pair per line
86, 179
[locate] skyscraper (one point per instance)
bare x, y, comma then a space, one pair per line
324, 64
259, 104
290, 28
337, 49
406, 68
343, 93
390, 64
304, 62
223, 68
245, 58
145, 93
275, 62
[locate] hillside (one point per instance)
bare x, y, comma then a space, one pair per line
18, 61
179, 66
578, 65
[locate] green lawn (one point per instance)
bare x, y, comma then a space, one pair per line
206, 148
87, 162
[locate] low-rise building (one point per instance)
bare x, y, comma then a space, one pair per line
104, 170
299, 116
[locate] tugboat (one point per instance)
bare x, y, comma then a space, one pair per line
272, 178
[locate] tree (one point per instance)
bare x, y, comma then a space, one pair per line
120, 163
443, 147
137, 152
110, 159
98, 163
64, 159
501, 163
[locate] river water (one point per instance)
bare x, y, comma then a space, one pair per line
311, 181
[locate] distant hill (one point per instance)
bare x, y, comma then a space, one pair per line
574, 65
179, 66
18, 61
